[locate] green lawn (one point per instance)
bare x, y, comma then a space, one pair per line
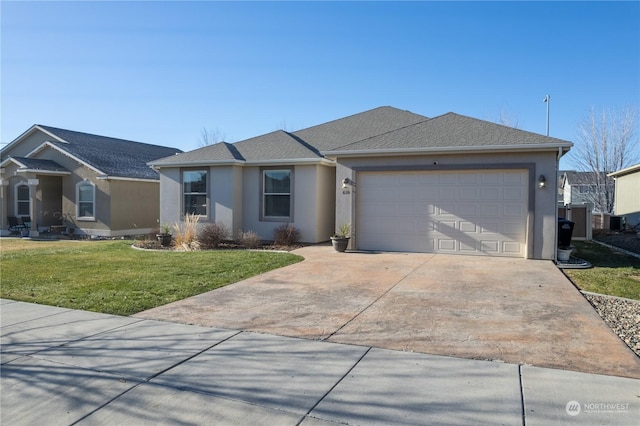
111, 277
613, 273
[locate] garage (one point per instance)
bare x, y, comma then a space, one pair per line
474, 212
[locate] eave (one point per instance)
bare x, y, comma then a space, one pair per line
448, 150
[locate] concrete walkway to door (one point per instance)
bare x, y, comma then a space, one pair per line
512, 310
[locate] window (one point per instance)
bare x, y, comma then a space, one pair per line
276, 195
585, 189
194, 187
85, 200
23, 201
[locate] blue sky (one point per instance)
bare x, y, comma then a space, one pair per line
159, 72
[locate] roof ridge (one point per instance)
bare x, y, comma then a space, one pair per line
353, 115
53, 130
384, 133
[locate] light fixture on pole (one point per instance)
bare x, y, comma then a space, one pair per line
546, 100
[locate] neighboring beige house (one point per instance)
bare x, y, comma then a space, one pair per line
627, 199
96, 185
403, 181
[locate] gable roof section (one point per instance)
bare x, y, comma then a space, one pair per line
450, 132
573, 177
358, 127
26, 164
626, 171
300, 146
114, 157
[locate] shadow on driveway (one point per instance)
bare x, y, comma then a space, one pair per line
512, 310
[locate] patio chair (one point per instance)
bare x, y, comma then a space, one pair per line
15, 225
26, 221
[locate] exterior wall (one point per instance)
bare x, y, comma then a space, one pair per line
326, 203
627, 199
135, 207
542, 206
170, 196
225, 198
313, 220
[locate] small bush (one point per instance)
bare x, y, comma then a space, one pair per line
249, 239
286, 235
212, 235
185, 237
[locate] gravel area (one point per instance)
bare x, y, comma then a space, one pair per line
621, 315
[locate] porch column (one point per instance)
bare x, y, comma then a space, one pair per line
33, 189
4, 185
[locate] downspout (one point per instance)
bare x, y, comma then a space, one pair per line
555, 241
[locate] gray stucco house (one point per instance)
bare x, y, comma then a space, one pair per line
403, 181
97, 185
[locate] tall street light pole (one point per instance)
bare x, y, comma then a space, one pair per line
546, 101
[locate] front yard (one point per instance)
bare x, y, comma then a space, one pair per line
613, 273
111, 277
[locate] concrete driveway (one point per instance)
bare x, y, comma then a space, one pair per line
512, 310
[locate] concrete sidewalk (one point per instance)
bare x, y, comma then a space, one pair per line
61, 366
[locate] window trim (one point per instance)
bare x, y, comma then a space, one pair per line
207, 210
263, 216
18, 201
93, 202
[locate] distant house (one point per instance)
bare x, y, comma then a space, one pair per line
627, 199
97, 185
402, 181
582, 187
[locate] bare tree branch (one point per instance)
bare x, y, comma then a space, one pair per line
606, 142
210, 137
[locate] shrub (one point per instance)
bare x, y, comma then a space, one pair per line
185, 237
212, 235
249, 239
286, 235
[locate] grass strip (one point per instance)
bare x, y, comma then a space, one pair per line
111, 277
613, 273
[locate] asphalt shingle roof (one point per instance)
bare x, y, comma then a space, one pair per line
114, 157
40, 164
379, 129
448, 131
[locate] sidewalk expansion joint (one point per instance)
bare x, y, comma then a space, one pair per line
334, 386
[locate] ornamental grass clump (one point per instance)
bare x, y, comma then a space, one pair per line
186, 234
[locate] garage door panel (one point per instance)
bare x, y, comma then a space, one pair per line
468, 212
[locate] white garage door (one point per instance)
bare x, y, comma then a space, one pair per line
481, 212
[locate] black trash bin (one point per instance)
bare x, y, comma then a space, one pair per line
565, 231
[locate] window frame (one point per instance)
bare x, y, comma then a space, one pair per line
93, 201
18, 201
184, 194
263, 216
